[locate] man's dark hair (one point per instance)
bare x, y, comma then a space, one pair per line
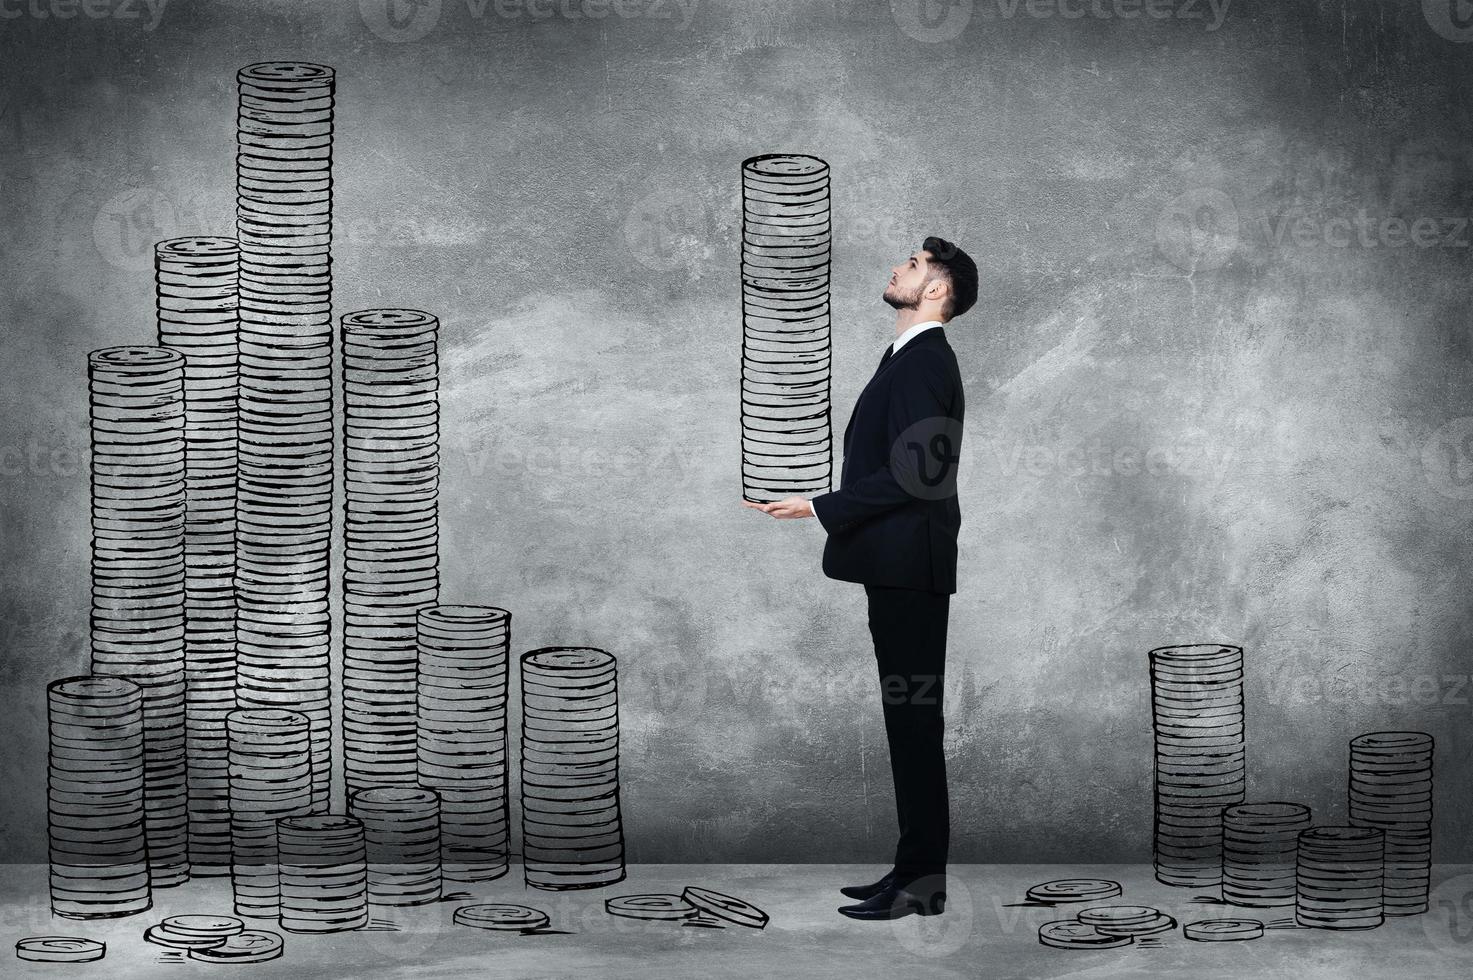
960, 271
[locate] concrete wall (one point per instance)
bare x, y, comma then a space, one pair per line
1211, 395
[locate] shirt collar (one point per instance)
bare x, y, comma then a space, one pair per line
906, 337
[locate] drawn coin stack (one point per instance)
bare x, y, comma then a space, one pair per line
284, 227
572, 835
270, 778
391, 559
786, 238
1197, 709
324, 873
1339, 878
1260, 847
463, 657
401, 834
1391, 790
94, 796
138, 509
197, 281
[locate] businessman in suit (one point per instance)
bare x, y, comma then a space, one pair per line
892, 526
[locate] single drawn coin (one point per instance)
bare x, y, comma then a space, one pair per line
60, 949
661, 907
1222, 930
505, 918
1074, 890
203, 926
1073, 934
725, 906
250, 946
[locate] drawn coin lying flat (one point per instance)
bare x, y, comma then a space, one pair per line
1114, 916
1161, 923
1074, 890
725, 906
510, 918
249, 946
1073, 934
161, 936
203, 926
60, 949
650, 907
1223, 930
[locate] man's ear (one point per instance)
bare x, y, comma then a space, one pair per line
938, 289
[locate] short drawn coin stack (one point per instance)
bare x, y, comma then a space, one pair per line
1197, 713
401, 833
284, 227
270, 778
462, 696
391, 557
1339, 878
94, 796
138, 511
1391, 790
198, 316
786, 363
1260, 847
572, 835
324, 873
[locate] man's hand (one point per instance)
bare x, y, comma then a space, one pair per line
788, 507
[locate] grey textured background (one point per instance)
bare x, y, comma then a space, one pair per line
1255, 432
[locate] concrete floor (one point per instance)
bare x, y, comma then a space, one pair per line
983, 934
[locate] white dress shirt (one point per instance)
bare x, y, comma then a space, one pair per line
899, 342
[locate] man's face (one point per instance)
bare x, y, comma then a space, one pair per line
908, 281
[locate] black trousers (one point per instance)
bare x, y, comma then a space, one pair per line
909, 631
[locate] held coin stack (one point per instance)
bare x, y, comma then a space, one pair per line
1391, 790
1197, 715
401, 831
324, 873
138, 510
572, 835
786, 237
1260, 845
391, 557
270, 778
1339, 878
463, 653
198, 316
284, 227
94, 797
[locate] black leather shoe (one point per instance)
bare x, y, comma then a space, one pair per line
863, 892
896, 903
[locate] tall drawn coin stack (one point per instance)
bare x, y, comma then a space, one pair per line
138, 509
572, 834
463, 657
198, 316
401, 832
284, 513
270, 778
1339, 878
391, 559
1260, 847
324, 873
1391, 790
786, 238
1197, 715
94, 796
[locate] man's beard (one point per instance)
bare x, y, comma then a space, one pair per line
903, 301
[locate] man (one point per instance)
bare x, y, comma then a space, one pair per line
892, 525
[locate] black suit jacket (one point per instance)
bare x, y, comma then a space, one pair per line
895, 517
